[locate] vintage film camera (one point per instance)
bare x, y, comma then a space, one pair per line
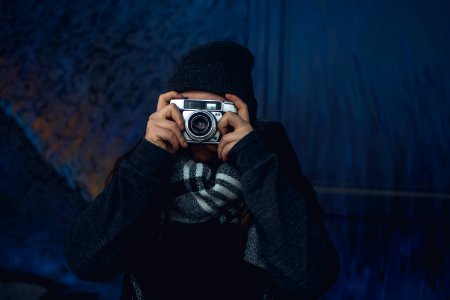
201, 118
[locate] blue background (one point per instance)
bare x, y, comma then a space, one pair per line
362, 87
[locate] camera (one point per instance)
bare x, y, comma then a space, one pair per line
201, 118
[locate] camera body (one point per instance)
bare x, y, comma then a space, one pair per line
201, 118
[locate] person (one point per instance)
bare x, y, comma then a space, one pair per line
234, 220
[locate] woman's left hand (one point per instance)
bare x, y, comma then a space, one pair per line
240, 122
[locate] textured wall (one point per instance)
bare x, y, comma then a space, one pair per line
85, 76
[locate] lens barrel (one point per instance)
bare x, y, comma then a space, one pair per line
201, 126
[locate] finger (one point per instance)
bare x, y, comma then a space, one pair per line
164, 99
172, 112
229, 119
226, 139
167, 137
173, 127
229, 140
241, 106
223, 124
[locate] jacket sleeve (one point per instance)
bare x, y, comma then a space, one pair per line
97, 244
299, 255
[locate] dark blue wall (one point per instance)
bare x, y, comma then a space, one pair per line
362, 88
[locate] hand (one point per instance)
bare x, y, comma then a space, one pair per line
240, 122
165, 126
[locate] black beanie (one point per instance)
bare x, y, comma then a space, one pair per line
217, 67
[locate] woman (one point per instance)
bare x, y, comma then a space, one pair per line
234, 220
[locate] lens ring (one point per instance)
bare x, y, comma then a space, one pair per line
201, 126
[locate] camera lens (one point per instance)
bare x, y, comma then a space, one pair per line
201, 126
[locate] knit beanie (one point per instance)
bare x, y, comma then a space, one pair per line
217, 67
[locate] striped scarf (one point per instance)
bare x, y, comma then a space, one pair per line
199, 195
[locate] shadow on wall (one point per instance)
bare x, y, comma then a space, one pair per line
36, 209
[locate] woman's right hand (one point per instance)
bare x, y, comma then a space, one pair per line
165, 126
